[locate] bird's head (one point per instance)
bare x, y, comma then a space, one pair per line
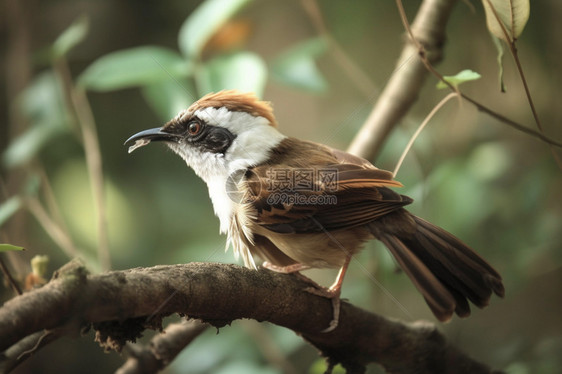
219, 134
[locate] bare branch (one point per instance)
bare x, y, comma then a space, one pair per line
419, 130
121, 304
163, 348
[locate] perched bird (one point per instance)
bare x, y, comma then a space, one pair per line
296, 204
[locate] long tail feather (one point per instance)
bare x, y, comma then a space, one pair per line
437, 296
446, 271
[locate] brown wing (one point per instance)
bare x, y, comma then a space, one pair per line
325, 190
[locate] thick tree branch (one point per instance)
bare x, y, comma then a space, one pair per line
121, 304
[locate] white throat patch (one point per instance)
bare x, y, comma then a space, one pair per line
255, 137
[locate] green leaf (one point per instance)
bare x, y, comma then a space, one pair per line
244, 71
134, 67
71, 37
9, 247
8, 208
459, 78
168, 97
204, 22
513, 14
297, 68
42, 104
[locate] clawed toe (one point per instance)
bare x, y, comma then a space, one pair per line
334, 296
332, 293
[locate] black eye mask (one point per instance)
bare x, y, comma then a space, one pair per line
214, 139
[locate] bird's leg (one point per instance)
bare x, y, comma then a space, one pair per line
336, 287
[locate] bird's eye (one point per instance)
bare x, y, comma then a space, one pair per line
194, 128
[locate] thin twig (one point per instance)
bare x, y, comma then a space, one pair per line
9, 277
94, 162
87, 124
525, 86
511, 123
51, 200
420, 128
38, 344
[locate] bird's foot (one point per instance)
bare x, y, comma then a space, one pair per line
332, 293
334, 296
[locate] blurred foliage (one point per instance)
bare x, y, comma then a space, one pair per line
142, 63
296, 66
71, 37
8, 208
43, 105
244, 71
134, 67
200, 26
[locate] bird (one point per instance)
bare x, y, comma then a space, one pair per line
295, 204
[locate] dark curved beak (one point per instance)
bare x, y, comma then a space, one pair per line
144, 137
